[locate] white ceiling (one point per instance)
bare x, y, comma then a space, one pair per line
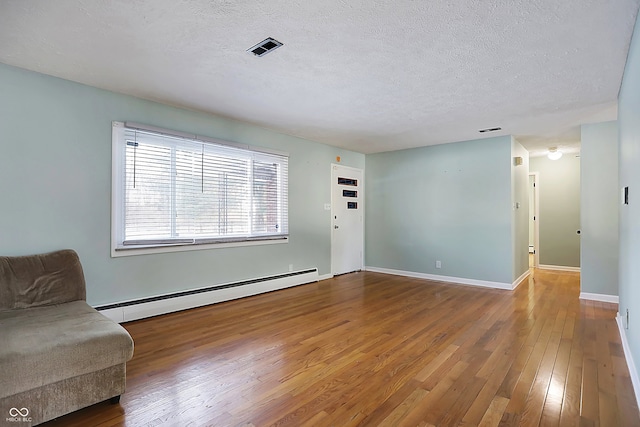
367, 75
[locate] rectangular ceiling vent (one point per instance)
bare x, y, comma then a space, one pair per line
264, 47
489, 130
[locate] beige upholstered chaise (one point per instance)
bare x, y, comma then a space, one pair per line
57, 354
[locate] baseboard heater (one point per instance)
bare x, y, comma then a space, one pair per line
167, 303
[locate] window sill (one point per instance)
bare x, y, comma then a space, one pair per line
146, 250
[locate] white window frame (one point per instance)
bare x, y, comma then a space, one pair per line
118, 144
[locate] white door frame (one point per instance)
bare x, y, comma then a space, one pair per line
333, 213
536, 223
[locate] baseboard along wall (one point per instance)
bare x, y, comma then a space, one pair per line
633, 373
558, 268
520, 279
600, 297
451, 279
127, 311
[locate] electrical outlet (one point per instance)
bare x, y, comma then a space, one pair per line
438, 264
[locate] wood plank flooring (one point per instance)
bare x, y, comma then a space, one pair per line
369, 349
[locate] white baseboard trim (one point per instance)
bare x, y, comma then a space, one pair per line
558, 267
325, 277
126, 311
448, 279
633, 373
600, 297
520, 279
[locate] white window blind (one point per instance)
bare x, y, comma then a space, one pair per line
178, 190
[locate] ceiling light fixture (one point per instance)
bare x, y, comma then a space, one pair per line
489, 130
554, 154
264, 47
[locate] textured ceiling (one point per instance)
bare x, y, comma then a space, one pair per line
367, 75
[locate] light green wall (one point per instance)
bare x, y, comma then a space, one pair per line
449, 202
55, 169
559, 199
629, 146
520, 209
599, 203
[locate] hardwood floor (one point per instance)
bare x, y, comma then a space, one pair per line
378, 350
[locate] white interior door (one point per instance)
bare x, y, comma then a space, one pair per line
347, 219
534, 214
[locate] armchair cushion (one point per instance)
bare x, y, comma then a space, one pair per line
38, 280
44, 345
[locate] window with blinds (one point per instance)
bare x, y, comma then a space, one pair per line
177, 189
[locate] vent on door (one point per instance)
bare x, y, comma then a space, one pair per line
348, 181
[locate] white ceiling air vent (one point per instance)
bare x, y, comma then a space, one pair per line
264, 47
